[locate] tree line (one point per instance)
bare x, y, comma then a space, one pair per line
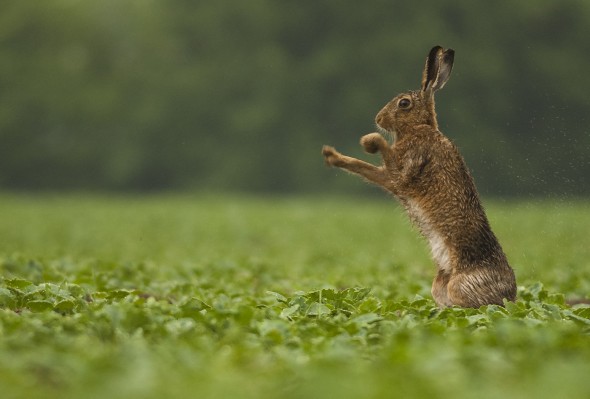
176, 95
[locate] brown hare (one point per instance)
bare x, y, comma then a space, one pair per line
425, 171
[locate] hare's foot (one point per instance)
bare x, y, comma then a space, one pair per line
372, 173
482, 286
332, 157
440, 289
374, 142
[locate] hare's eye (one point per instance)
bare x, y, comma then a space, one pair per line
404, 103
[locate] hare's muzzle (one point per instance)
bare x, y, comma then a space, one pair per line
381, 120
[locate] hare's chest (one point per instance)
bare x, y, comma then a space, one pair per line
439, 248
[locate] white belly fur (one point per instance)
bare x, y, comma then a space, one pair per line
438, 247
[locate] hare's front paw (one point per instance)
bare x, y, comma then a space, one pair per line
331, 156
373, 142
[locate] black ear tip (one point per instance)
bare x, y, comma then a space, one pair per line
434, 51
449, 55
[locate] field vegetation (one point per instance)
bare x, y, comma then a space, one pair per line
214, 297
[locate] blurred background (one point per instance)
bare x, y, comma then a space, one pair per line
233, 95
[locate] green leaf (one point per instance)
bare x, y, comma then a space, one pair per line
370, 304
7, 298
17, 283
277, 296
576, 317
365, 319
318, 309
582, 311
119, 294
290, 311
64, 306
39, 306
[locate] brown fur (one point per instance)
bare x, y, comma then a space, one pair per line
426, 172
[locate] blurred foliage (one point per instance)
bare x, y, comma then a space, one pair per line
233, 95
186, 296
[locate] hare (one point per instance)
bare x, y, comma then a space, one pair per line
424, 170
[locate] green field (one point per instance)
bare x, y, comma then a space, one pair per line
215, 297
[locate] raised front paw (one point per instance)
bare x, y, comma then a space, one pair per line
331, 156
373, 142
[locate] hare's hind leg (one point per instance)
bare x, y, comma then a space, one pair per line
440, 291
371, 173
482, 286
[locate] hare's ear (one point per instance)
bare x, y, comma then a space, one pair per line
445, 66
437, 70
431, 68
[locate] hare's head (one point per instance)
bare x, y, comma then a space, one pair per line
417, 107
